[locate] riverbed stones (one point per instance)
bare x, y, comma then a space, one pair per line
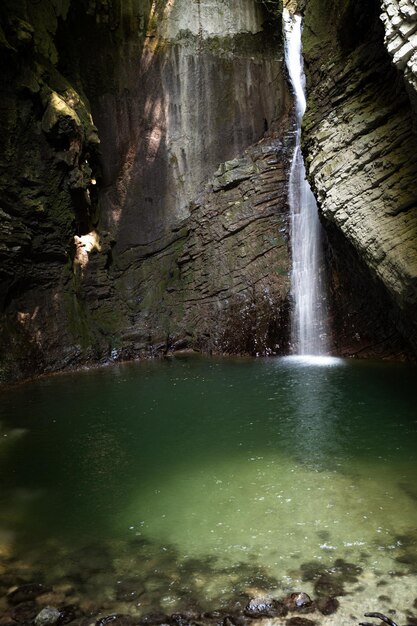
24, 612
130, 589
153, 619
298, 601
68, 614
26, 592
184, 619
115, 619
327, 606
328, 586
49, 616
299, 621
265, 607
234, 620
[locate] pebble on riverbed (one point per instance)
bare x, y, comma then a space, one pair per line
27, 592
26, 601
299, 601
49, 616
327, 606
300, 621
265, 607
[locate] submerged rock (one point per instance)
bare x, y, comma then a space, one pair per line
130, 590
298, 601
153, 619
299, 621
27, 592
49, 616
68, 614
183, 619
327, 606
265, 607
328, 586
236, 620
25, 612
115, 620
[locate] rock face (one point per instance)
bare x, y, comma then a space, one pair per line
205, 84
112, 242
48, 152
144, 153
207, 283
359, 140
400, 21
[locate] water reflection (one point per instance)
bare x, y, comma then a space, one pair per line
315, 403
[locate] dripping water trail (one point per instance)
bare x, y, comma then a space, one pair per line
309, 316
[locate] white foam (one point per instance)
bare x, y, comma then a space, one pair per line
314, 360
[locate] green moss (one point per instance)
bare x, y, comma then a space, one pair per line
78, 323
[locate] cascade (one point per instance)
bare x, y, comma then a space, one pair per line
308, 318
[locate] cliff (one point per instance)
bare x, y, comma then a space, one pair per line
133, 220
360, 142
144, 159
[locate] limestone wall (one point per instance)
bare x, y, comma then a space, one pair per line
360, 144
400, 22
206, 84
116, 117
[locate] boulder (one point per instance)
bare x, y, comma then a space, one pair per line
59, 113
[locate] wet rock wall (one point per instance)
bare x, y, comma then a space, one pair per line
116, 117
359, 140
48, 160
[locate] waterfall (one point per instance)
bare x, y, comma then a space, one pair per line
308, 318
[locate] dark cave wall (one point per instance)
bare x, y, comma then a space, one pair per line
48, 158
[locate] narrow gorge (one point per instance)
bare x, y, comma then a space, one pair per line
145, 157
208, 228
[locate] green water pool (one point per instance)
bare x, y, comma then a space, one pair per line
191, 481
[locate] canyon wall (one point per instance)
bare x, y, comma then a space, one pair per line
360, 144
144, 156
133, 220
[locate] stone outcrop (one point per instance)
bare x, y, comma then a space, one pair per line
360, 143
400, 21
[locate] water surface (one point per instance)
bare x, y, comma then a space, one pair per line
191, 481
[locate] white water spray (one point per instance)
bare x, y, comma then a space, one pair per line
308, 321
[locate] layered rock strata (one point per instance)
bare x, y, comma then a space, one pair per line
218, 281
359, 140
400, 21
115, 117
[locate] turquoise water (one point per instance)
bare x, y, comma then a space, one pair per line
197, 480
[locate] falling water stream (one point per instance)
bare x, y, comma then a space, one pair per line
308, 324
